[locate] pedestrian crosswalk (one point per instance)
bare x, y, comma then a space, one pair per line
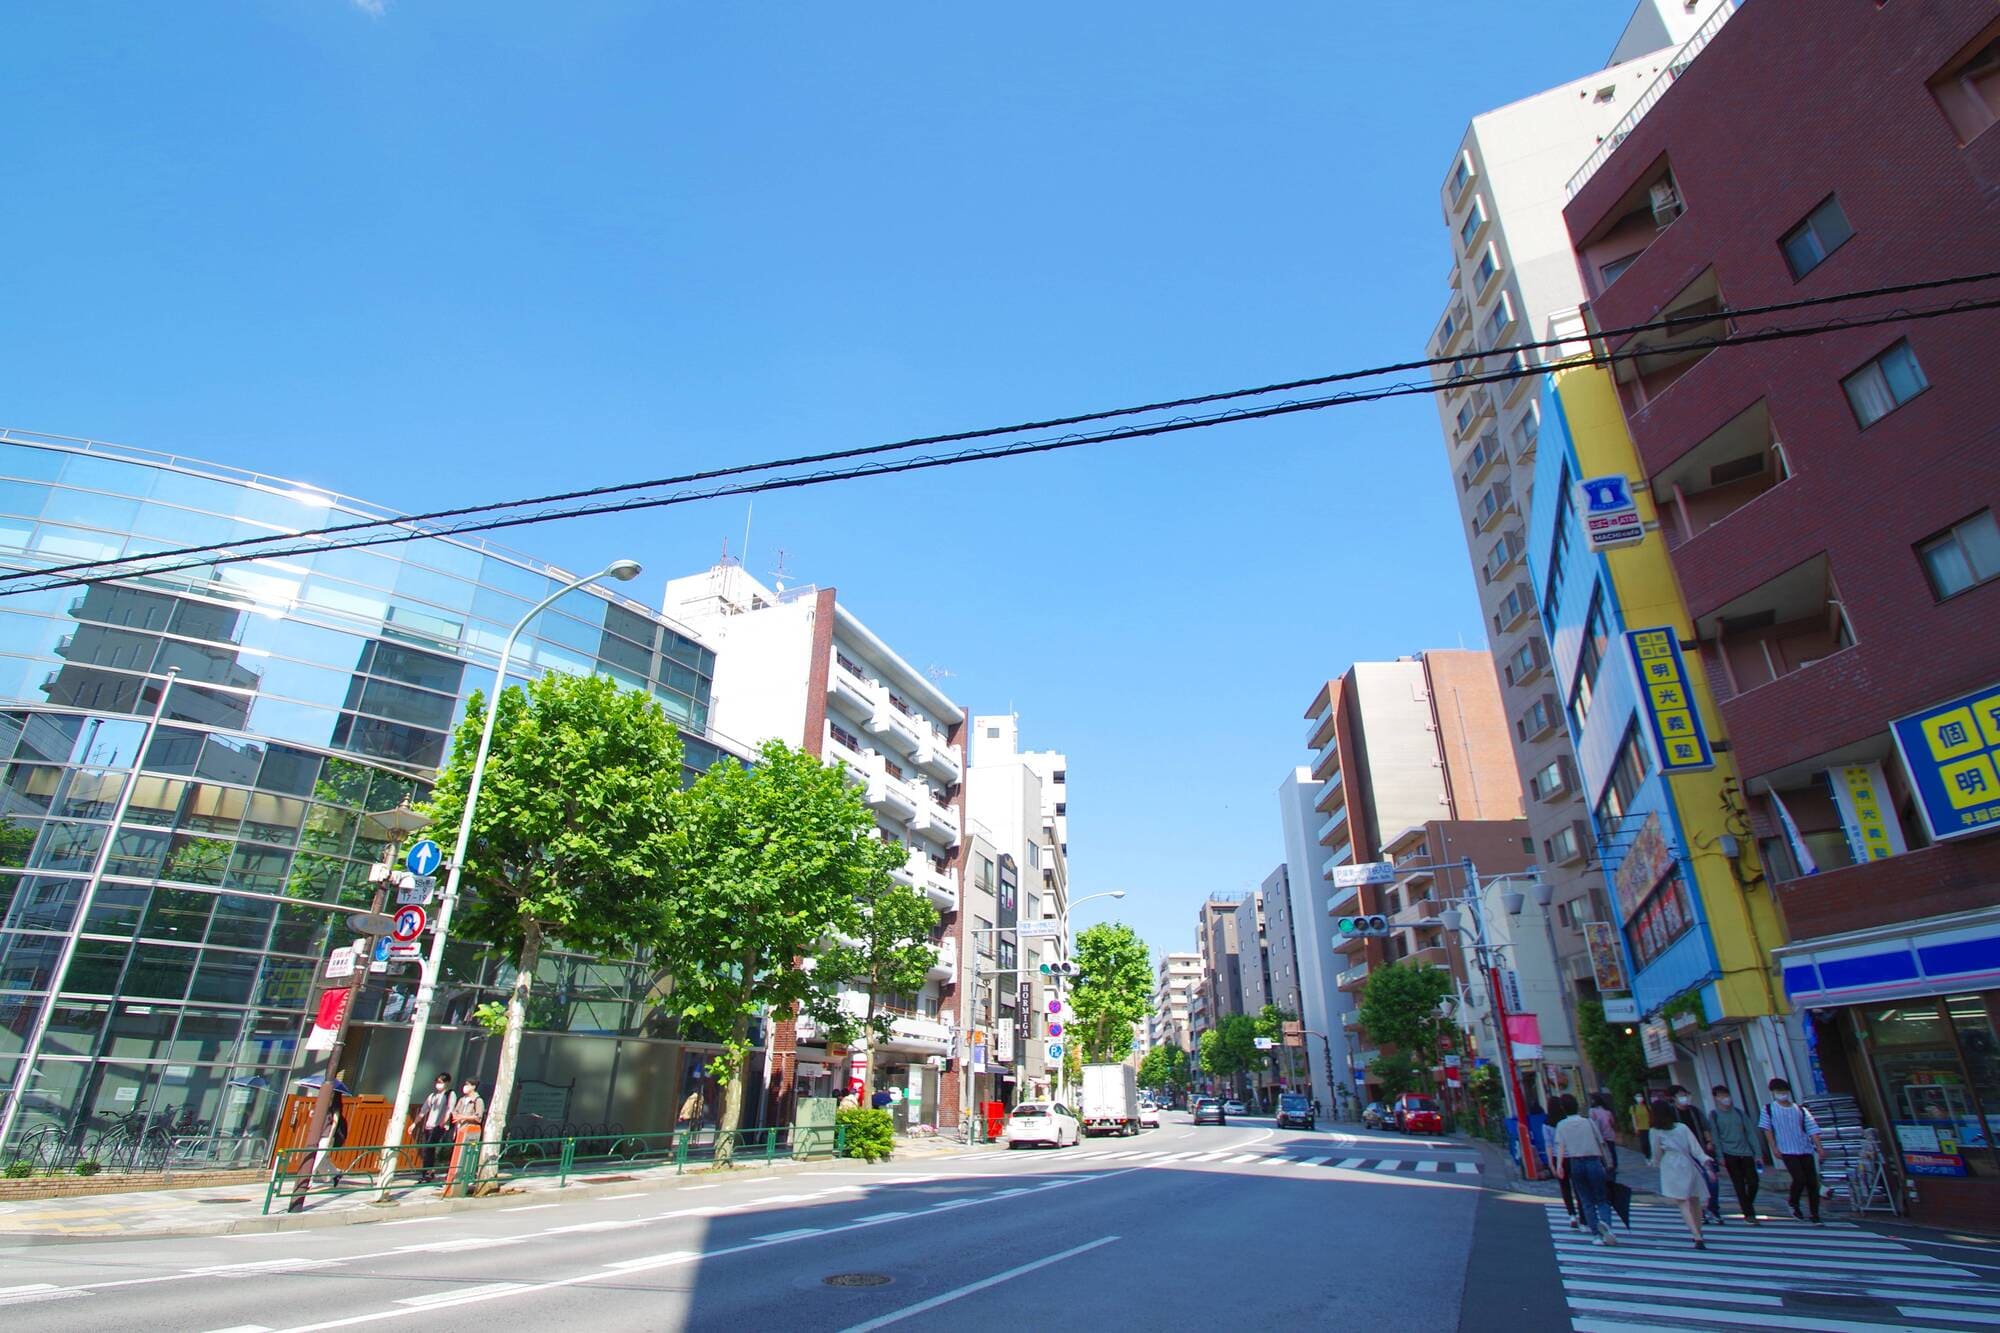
1234, 1157
1838, 1278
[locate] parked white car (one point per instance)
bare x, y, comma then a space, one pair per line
1049, 1123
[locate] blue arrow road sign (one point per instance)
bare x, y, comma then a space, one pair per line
424, 857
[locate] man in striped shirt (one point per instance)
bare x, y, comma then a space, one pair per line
1794, 1138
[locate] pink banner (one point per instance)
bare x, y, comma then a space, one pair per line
1525, 1032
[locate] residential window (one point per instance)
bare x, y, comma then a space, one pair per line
1528, 430
985, 880
1062, 807
1558, 558
1475, 218
1824, 230
1963, 556
1628, 774
1502, 316
1884, 384
1608, 273
1968, 89
1589, 658
1460, 174
1061, 776
1488, 267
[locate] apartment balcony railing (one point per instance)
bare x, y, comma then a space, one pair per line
1648, 99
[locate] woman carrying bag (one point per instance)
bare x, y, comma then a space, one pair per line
1684, 1167
1578, 1154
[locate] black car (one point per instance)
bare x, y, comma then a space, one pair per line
1295, 1112
1208, 1111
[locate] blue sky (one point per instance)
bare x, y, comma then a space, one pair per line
448, 252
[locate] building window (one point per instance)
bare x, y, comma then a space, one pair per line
1061, 776
1488, 269
1807, 245
1558, 559
1884, 384
1628, 774
1589, 659
1502, 316
1964, 556
1664, 917
1475, 218
1552, 781
1608, 273
993, 733
1968, 89
1062, 807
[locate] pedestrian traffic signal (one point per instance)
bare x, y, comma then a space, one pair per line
1357, 927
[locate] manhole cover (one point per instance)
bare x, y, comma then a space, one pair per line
1838, 1300
222, 1201
859, 1280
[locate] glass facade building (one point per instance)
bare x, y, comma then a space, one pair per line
307, 693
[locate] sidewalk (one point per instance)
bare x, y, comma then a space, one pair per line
237, 1209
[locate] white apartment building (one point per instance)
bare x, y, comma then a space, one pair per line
1323, 1006
1017, 800
1512, 272
1178, 975
796, 664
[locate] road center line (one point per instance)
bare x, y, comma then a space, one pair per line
946, 1298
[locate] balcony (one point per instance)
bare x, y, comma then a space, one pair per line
1649, 98
1429, 956
1351, 979
1529, 663
906, 874
1732, 467
1329, 792
936, 822
1504, 556
1570, 845
1463, 173
1326, 830
845, 746
1540, 720
852, 688
1341, 901
939, 759
1340, 857
1479, 464
1514, 609
918, 1034
1511, 390
1652, 362
1319, 730
1477, 407
939, 886
946, 964
1781, 627
1497, 503
890, 796
1341, 839
897, 728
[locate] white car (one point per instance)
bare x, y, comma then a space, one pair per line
1149, 1115
1049, 1123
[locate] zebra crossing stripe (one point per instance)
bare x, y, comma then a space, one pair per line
1709, 1315
1211, 1156
1961, 1316
1586, 1251
1466, 1168
1311, 1161
1427, 1166
1246, 1157
1390, 1165
1351, 1163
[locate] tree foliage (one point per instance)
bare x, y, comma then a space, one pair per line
1164, 1067
1618, 1056
1229, 1049
1395, 1073
1114, 992
569, 839
768, 861
1409, 1005
890, 953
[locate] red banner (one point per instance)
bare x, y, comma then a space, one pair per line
332, 1007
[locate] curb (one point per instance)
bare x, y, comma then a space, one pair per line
400, 1211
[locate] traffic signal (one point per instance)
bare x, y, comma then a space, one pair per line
1069, 970
1352, 927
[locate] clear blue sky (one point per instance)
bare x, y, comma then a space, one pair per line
450, 252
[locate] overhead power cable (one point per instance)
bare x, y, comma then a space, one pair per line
1605, 337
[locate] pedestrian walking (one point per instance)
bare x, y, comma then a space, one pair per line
1741, 1150
1607, 1129
1547, 1145
1792, 1135
468, 1108
434, 1125
1577, 1152
1683, 1166
691, 1108
1691, 1115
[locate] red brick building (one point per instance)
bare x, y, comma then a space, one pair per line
1828, 503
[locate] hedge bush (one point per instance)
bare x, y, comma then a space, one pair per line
870, 1134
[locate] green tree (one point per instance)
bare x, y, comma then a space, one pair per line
1270, 1024
1114, 991
1615, 1052
767, 861
1164, 1067
1229, 1049
1396, 1073
1409, 1005
569, 840
891, 953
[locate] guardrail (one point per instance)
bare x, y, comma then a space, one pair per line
300, 1175
1654, 92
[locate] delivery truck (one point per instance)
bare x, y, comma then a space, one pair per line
1110, 1099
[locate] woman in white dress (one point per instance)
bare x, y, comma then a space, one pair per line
1684, 1167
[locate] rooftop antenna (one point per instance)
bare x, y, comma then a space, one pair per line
778, 575
936, 672
748, 509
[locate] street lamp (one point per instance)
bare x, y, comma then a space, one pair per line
420, 1013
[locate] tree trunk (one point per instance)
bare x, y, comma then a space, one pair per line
510, 1055
732, 1091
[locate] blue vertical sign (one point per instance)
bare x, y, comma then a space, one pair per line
1667, 699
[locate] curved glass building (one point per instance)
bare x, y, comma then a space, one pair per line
174, 948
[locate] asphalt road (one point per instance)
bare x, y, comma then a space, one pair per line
1183, 1227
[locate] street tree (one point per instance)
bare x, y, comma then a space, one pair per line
1409, 1005
569, 840
1271, 1022
1114, 991
1229, 1049
1164, 1067
768, 861
1615, 1052
890, 953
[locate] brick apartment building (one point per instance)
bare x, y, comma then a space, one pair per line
1829, 507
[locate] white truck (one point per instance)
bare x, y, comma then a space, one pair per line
1110, 1099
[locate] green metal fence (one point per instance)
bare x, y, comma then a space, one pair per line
301, 1175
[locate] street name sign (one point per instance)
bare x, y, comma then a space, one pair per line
1367, 872
1033, 930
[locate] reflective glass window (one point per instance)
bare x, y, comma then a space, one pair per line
174, 750
369, 568
109, 742
302, 930
453, 558
273, 820
69, 846
208, 1036
213, 664
554, 627
529, 585
241, 923
10, 731
409, 666
90, 510
49, 736
210, 622
259, 869
284, 511
32, 636
304, 642
424, 625
30, 788
403, 704
97, 645
92, 794
19, 460
155, 801
95, 967
75, 1028
288, 771
347, 781
209, 706
197, 860
116, 909
27, 962
159, 971
177, 914
232, 759
183, 527
427, 585
387, 790
181, 488
497, 608
326, 687
14, 533
317, 876
284, 982
213, 809
615, 651
74, 543
22, 498
43, 902
307, 724
141, 853
392, 741
105, 474
344, 599
141, 1031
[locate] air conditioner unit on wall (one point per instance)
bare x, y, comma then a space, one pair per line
1666, 202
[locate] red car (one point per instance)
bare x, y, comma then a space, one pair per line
1414, 1114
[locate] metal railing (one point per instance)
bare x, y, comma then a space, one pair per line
1654, 92
299, 1175
135, 1148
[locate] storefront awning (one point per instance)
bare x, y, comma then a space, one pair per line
1905, 961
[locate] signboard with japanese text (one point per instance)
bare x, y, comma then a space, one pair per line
1610, 514
1366, 872
1657, 1043
1872, 835
1620, 1009
1607, 960
1003, 1042
1952, 754
1679, 742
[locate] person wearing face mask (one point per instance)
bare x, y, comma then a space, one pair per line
434, 1126
1793, 1136
1696, 1119
1735, 1135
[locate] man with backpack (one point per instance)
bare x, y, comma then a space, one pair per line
1793, 1137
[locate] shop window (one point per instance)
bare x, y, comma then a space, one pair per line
1663, 918
1939, 1070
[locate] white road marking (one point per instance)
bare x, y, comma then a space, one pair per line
1388, 1166
260, 1266
1311, 1161
1960, 1316
593, 1226
1350, 1163
1466, 1168
529, 1208
411, 1221
1709, 1315
1209, 1156
440, 1298
241, 1328
613, 1198
959, 1293
1427, 1166
651, 1261
793, 1234
464, 1243
890, 1217
1246, 1157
